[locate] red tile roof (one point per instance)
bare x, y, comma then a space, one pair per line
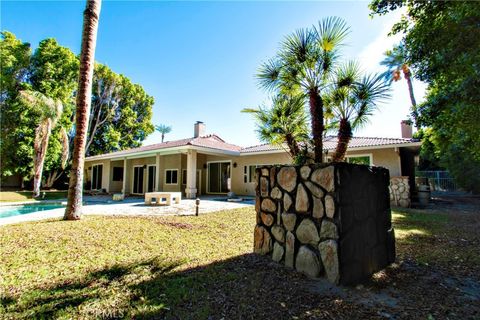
211, 141
330, 142
214, 142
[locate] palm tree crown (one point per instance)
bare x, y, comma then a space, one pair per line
163, 129
285, 122
353, 98
303, 65
396, 62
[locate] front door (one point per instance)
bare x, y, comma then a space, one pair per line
151, 178
138, 180
218, 177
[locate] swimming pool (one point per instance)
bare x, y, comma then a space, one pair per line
11, 211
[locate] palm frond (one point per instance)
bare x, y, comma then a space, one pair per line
331, 32
269, 73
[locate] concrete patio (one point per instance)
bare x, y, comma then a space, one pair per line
132, 206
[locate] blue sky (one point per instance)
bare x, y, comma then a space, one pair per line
199, 59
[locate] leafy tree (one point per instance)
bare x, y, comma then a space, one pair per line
304, 64
285, 122
396, 63
15, 60
50, 75
442, 44
121, 113
163, 129
120, 116
352, 99
87, 60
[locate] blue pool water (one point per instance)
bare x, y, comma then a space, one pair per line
27, 208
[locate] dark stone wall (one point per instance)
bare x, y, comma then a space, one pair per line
367, 242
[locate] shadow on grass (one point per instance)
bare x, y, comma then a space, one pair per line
247, 286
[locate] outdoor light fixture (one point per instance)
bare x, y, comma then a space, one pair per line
234, 164
197, 205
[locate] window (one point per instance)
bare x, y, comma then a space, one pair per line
249, 173
171, 176
360, 159
117, 174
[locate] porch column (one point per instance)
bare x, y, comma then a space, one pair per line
191, 190
157, 172
124, 182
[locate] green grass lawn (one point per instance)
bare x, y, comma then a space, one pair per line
174, 267
16, 196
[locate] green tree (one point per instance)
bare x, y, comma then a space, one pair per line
396, 63
304, 64
163, 129
15, 60
284, 123
442, 44
87, 60
352, 99
121, 113
50, 72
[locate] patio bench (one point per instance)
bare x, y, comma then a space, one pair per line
159, 196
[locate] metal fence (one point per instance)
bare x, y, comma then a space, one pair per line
438, 180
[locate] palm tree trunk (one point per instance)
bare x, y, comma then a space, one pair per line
292, 145
43, 135
89, 38
344, 136
163, 136
316, 112
408, 77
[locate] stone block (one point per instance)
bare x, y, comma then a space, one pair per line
301, 201
328, 230
307, 232
324, 177
262, 240
307, 262
278, 233
276, 193
329, 255
289, 250
289, 220
318, 211
267, 219
287, 178
268, 205
278, 251
330, 206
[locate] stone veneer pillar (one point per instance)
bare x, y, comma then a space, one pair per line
330, 220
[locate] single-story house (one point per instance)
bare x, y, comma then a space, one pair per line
206, 164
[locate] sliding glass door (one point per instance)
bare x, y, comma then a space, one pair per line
218, 177
151, 178
97, 177
138, 180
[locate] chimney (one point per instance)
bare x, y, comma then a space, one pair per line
406, 126
199, 129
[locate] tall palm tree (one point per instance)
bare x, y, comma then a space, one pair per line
50, 111
396, 62
283, 123
91, 16
352, 100
304, 64
163, 129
